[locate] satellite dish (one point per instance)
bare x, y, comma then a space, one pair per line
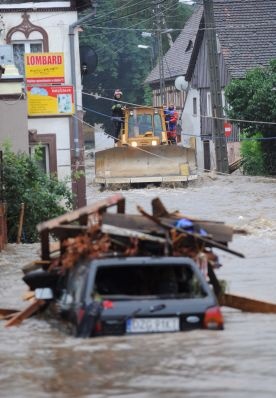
88, 60
180, 83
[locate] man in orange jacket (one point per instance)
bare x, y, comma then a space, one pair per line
171, 117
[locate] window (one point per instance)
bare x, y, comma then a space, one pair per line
194, 106
42, 151
145, 280
145, 123
22, 47
189, 46
47, 143
157, 125
209, 105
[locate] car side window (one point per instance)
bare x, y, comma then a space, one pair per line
76, 283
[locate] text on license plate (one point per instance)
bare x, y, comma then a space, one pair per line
151, 325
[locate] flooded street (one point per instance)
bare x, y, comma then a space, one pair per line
39, 361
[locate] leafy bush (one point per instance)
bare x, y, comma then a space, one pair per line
253, 99
25, 182
251, 151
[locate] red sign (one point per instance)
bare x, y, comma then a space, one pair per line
227, 129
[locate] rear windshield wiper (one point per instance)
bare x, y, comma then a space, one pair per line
157, 307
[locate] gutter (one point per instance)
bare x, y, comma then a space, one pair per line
73, 75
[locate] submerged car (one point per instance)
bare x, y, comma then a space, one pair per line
131, 295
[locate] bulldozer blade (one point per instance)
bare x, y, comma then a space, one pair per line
163, 163
246, 304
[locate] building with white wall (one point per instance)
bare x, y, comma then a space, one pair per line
44, 27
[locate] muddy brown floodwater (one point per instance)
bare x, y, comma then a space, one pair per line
39, 361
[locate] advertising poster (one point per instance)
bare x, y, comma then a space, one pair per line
50, 101
44, 68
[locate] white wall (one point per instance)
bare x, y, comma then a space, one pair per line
57, 26
191, 125
102, 141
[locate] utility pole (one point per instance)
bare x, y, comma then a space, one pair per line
215, 88
160, 52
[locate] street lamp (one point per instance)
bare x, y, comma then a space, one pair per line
144, 46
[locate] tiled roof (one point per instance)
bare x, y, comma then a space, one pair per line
177, 59
247, 33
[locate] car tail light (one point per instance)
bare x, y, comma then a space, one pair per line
107, 304
213, 319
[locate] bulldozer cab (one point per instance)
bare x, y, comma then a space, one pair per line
143, 126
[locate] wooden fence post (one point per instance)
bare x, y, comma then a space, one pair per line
20, 226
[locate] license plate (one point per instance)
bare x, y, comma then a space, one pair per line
152, 325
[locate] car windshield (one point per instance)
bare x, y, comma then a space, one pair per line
147, 280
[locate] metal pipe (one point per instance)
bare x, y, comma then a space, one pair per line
73, 76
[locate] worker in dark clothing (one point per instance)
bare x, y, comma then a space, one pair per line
117, 114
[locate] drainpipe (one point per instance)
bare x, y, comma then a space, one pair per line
73, 75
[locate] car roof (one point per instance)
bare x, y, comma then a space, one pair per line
156, 260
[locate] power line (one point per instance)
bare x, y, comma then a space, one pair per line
98, 96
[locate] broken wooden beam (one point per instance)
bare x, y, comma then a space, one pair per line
246, 304
129, 233
4, 312
80, 215
201, 238
35, 265
26, 313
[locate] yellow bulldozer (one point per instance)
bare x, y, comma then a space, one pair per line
143, 153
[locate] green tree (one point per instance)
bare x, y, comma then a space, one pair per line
254, 99
114, 34
44, 196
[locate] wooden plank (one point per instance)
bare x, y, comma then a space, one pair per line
132, 221
247, 304
208, 241
159, 210
20, 226
219, 231
112, 230
26, 313
7, 311
34, 265
79, 213
68, 231
235, 165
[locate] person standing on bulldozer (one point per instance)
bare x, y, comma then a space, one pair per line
171, 117
117, 114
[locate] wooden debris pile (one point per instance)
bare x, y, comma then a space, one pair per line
94, 232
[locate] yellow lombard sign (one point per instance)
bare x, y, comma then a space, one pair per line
44, 68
